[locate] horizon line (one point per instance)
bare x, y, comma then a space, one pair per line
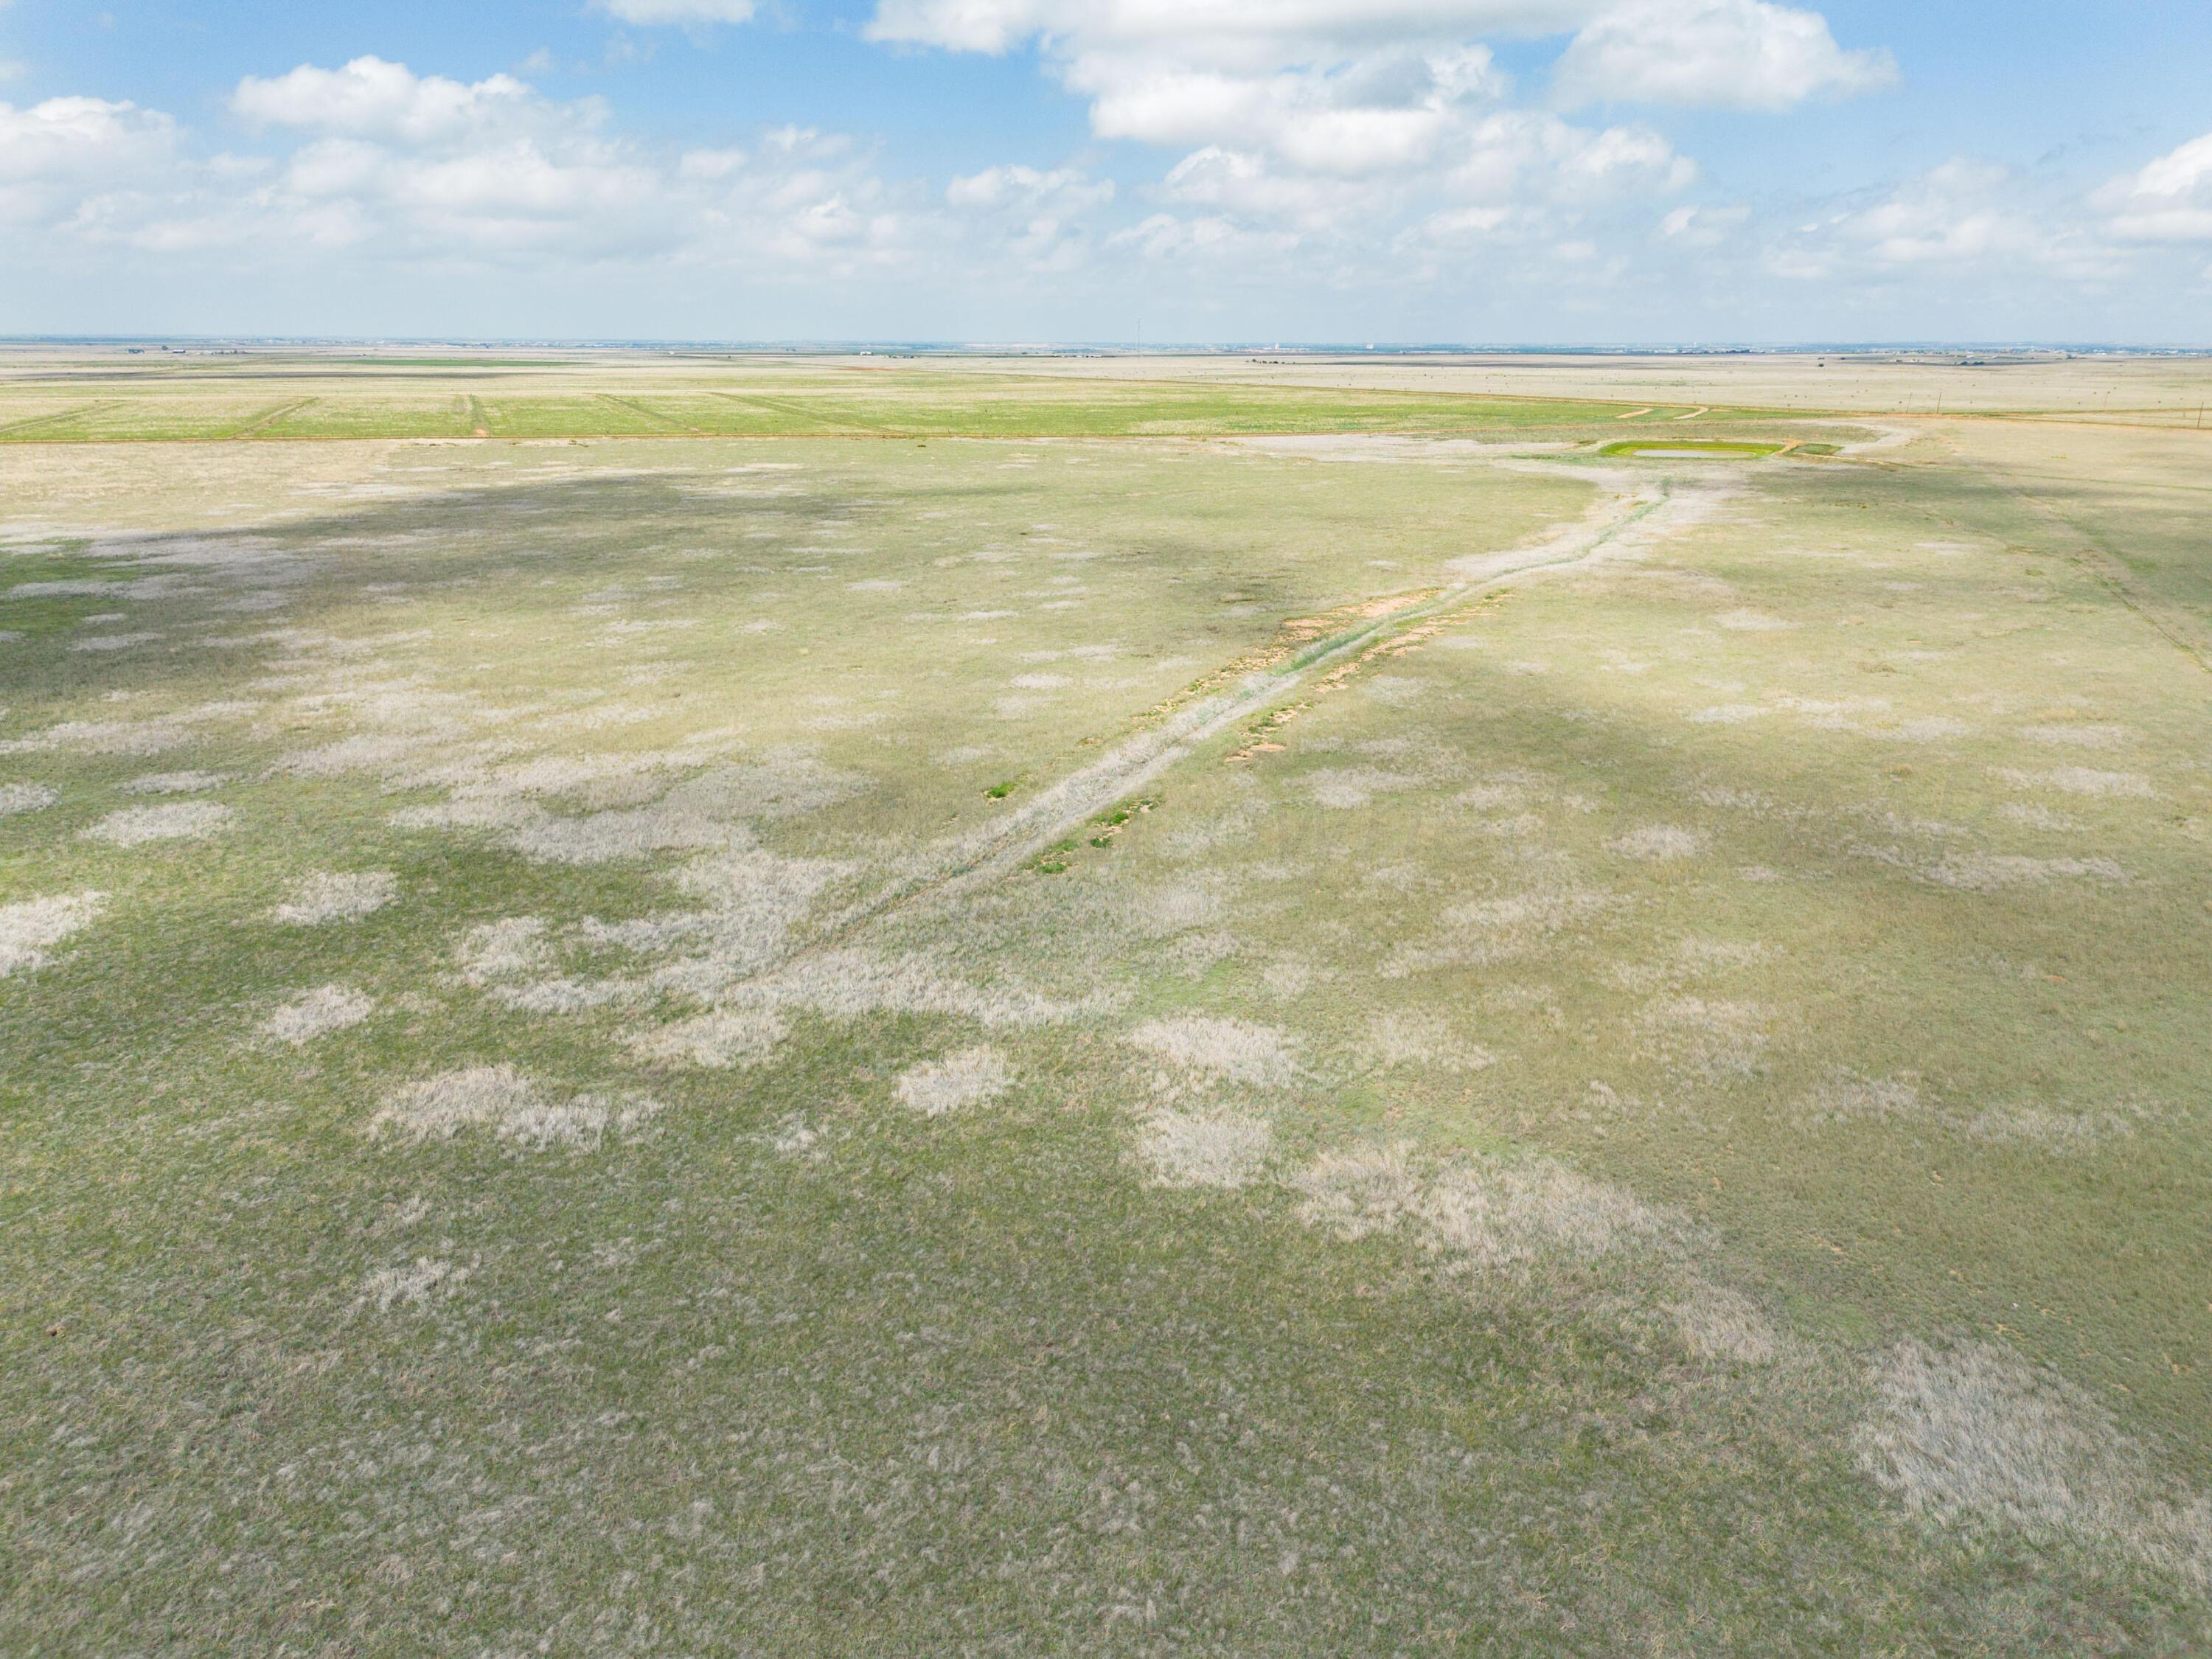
872, 345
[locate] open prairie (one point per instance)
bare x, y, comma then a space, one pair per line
665, 1003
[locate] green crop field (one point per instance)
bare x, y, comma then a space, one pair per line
658, 1007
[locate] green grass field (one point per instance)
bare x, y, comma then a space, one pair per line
324, 398
783, 1011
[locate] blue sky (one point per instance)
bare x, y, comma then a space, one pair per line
1486, 170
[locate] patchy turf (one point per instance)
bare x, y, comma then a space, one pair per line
1389, 1036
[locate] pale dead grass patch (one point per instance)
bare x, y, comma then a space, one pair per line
318, 1013
753, 898
134, 737
1483, 1216
417, 1285
1716, 1322
26, 798
1191, 841
2082, 737
1483, 932
1927, 728
1407, 876
1833, 714
850, 983
2034, 815
511, 1106
1345, 788
967, 1076
1975, 872
1224, 1150
113, 642
1176, 908
368, 752
1705, 1037
139, 826
1358, 1194
1498, 793
1407, 1037
511, 948
565, 995
1501, 1214
1970, 1433
610, 836
2061, 1133
1847, 1096
332, 895
176, 783
1231, 1050
796, 1138
726, 1038
1862, 717
1660, 843
1720, 955
2081, 781
1993, 873
31, 929
1192, 954
1398, 691
1690, 961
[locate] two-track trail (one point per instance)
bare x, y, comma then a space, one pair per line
1646, 510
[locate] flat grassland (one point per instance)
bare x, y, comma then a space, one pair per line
667, 1004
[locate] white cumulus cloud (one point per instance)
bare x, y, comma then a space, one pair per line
1245, 34
55, 154
371, 98
1037, 217
1029, 188
374, 162
1321, 119
1740, 54
1965, 215
2168, 201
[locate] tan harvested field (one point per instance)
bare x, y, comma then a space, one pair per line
2137, 389
1144, 1006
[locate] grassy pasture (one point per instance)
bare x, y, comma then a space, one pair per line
952, 1026
324, 399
